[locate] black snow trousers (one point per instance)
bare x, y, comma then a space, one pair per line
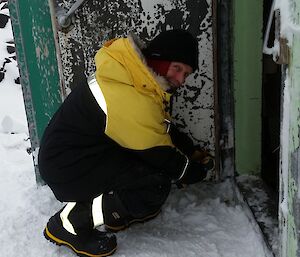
142, 191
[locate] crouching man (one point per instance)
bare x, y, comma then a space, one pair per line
110, 151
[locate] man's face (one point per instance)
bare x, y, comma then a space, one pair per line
177, 73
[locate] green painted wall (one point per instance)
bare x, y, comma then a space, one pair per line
36, 54
247, 71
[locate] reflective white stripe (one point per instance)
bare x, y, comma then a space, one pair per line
97, 93
97, 211
64, 217
168, 125
184, 169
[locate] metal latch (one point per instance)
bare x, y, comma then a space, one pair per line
65, 18
282, 52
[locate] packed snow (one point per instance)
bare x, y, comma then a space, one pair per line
200, 220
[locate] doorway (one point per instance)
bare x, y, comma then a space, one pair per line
257, 97
271, 93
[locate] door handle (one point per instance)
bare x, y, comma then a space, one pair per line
64, 19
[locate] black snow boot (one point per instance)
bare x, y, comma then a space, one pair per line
73, 227
116, 217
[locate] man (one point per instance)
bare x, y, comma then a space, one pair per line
110, 150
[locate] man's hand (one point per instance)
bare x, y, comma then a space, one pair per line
207, 160
199, 155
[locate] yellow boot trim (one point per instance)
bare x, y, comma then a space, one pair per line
61, 242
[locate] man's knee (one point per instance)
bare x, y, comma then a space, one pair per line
130, 205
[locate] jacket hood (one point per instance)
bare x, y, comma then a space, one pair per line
121, 61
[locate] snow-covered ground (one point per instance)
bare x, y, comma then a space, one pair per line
197, 221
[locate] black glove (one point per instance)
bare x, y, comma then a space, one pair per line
195, 172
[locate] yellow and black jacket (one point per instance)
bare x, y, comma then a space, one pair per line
120, 114
132, 98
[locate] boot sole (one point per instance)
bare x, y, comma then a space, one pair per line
115, 229
53, 239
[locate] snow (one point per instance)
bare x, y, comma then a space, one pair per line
200, 220
262, 203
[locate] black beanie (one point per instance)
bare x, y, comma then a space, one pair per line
174, 45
